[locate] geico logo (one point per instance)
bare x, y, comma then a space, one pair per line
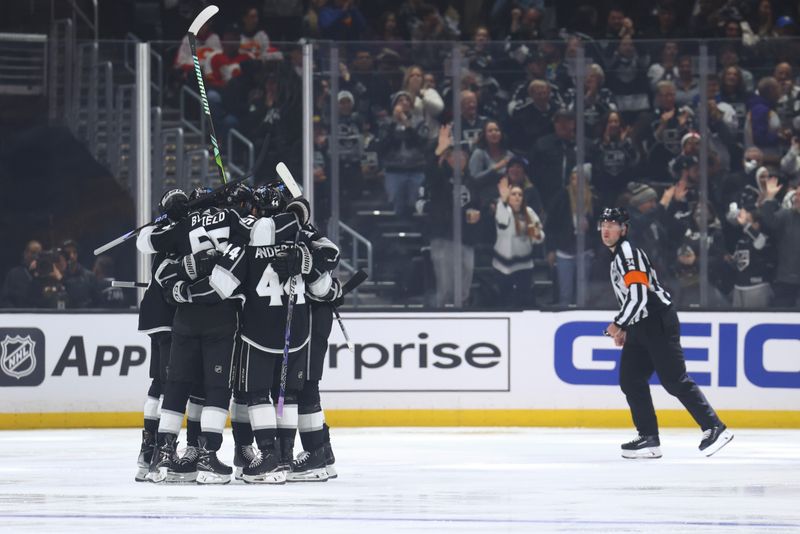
481, 355
74, 355
727, 350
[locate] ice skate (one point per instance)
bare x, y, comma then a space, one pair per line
264, 468
309, 467
714, 439
286, 448
643, 447
330, 459
243, 455
209, 469
184, 470
164, 459
145, 456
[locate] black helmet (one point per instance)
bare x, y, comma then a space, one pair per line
239, 198
269, 199
172, 199
619, 215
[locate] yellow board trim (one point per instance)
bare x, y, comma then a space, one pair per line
491, 418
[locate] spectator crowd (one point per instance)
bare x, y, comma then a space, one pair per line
523, 196
56, 279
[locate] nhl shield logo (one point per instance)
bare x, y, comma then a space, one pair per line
18, 356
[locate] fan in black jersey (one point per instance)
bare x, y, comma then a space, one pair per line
204, 336
648, 330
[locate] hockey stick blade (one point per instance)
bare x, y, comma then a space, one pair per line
355, 281
347, 339
203, 17
288, 179
128, 285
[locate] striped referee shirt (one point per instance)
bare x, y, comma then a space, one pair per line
635, 285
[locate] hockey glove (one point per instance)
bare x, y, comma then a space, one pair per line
326, 258
199, 264
337, 295
177, 293
301, 208
293, 261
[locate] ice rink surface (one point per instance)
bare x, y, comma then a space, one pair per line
417, 480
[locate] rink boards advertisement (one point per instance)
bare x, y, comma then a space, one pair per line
517, 369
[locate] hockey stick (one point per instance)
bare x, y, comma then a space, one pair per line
355, 281
348, 286
294, 190
287, 334
128, 285
288, 179
124, 237
198, 23
198, 203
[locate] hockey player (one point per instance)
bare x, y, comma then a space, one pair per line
322, 292
204, 336
316, 460
269, 275
648, 330
155, 320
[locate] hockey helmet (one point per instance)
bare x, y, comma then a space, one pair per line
269, 199
172, 199
618, 215
239, 198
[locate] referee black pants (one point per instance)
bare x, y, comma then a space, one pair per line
654, 344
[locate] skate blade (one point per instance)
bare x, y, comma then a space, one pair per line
141, 474
181, 478
312, 475
158, 476
649, 453
723, 439
331, 471
207, 477
278, 477
237, 473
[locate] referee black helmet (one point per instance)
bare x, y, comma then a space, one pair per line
618, 215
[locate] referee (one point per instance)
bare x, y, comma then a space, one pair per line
648, 331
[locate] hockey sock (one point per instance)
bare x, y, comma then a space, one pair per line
326, 432
264, 423
193, 412
172, 408
212, 422
151, 413
215, 413
240, 422
312, 429
287, 428
311, 417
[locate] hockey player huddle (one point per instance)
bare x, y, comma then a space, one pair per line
216, 311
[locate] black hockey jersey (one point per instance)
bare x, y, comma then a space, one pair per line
754, 258
155, 314
213, 228
249, 269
